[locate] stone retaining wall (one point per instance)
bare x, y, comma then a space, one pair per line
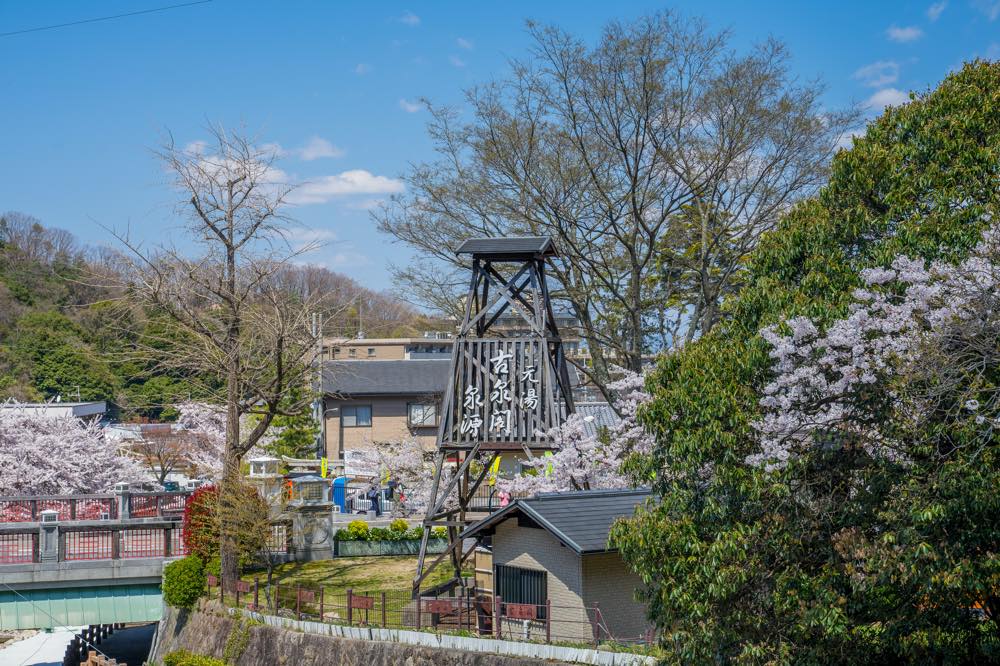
256, 640
207, 631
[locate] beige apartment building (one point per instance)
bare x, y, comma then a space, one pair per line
382, 390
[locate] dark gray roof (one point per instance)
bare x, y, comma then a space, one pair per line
601, 416
579, 519
398, 377
527, 246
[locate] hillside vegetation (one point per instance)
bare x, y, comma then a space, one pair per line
66, 331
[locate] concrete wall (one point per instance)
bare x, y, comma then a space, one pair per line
609, 582
388, 423
535, 548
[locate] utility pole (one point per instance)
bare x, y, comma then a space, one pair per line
317, 406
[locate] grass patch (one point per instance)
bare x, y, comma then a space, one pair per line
362, 574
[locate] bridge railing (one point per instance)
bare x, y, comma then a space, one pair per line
92, 540
105, 506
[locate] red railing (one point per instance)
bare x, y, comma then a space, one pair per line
143, 542
68, 507
178, 546
19, 548
156, 505
88, 545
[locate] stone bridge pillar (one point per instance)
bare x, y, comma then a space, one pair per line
48, 536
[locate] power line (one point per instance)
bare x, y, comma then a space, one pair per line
103, 18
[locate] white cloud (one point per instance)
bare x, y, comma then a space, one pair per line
464, 43
934, 11
905, 34
990, 8
409, 18
887, 97
878, 74
456, 61
317, 147
846, 140
353, 182
408, 106
307, 238
196, 147
362, 68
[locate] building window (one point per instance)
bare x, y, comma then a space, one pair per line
371, 352
356, 416
422, 415
522, 586
352, 352
336, 352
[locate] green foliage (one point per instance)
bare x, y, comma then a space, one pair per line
357, 530
238, 639
186, 658
296, 434
737, 567
398, 530
183, 582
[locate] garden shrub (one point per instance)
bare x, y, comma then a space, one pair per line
186, 658
358, 530
183, 582
399, 525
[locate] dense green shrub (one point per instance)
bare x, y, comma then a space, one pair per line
358, 530
183, 582
185, 658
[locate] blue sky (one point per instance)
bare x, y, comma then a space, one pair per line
335, 84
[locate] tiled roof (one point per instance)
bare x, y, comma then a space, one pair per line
579, 519
396, 377
528, 245
601, 416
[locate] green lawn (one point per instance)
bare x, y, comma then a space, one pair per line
362, 574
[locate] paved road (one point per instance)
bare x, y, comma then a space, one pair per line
42, 649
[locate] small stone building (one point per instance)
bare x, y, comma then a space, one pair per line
554, 548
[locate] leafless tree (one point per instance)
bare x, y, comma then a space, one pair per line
236, 320
655, 159
162, 450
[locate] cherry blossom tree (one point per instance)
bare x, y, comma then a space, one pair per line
405, 460
586, 460
205, 425
48, 455
919, 341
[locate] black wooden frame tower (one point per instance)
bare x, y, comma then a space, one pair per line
507, 387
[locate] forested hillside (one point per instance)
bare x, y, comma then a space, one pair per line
64, 330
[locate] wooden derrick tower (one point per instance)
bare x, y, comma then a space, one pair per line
508, 385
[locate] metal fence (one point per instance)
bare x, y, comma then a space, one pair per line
28, 509
397, 609
78, 543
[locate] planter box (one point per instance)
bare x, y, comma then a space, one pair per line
371, 548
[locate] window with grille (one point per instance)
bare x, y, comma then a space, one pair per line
356, 416
522, 586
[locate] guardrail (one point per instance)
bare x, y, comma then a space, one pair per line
93, 506
28, 543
